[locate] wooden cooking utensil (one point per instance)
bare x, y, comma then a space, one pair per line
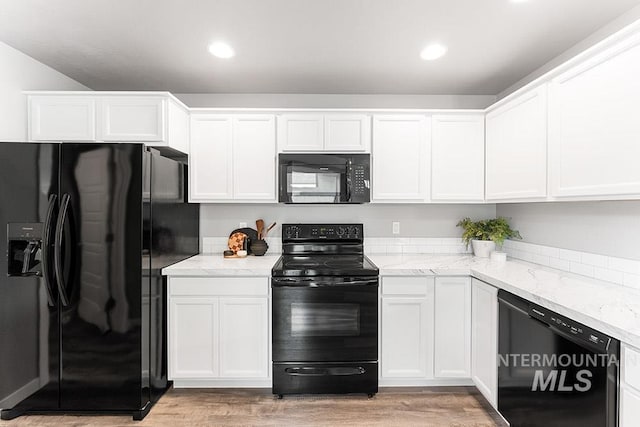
260, 228
268, 230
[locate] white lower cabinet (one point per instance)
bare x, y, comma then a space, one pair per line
484, 339
452, 342
425, 331
219, 332
244, 346
406, 330
629, 412
404, 335
193, 337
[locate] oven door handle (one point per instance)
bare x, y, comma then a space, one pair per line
324, 372
312, 283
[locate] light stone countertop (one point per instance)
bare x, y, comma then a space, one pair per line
610, 308
216, 265
607, 307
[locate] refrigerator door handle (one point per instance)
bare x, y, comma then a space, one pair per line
45, 249
57, 249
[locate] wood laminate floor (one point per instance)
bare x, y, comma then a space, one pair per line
459, 407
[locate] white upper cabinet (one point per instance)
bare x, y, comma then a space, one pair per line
210, 168
254, 157
347, 132
233, 158
457, 158
452, 341
156, 119
400, 158
594, 135
58, 118
516, 148
301, 132
131, 119
319, 132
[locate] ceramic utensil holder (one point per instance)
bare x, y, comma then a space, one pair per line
259, 247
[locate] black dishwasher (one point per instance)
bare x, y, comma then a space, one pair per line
553, 371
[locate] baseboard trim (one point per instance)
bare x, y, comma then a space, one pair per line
411, 382
20, 394
177, 383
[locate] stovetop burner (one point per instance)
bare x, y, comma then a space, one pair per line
324, 265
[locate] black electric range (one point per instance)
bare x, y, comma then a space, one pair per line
325, 312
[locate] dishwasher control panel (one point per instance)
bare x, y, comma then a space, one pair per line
570, 327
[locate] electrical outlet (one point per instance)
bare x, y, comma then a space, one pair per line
396, 228
243, 225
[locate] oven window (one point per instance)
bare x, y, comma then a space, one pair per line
314, 320
313, 185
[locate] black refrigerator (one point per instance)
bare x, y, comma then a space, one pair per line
88, 228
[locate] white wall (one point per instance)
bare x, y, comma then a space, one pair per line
606, 228
415, 220
20, 72
291, 100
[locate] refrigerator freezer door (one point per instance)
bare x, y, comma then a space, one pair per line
101, 267
29, 326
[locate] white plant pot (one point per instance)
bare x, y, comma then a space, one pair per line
483, 248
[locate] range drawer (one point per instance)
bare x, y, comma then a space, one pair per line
321, 378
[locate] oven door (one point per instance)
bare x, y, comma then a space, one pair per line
325, 320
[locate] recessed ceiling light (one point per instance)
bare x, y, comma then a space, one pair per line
433, 51
221, 50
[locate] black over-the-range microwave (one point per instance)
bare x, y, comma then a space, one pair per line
324, 178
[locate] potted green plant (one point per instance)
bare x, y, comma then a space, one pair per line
485, 234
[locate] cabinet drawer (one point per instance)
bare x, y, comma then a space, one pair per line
631, 366
406, 285
214, 286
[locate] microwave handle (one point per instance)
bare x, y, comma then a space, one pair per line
349, 181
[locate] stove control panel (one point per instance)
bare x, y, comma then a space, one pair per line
322, 232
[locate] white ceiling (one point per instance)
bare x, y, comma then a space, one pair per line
301, 46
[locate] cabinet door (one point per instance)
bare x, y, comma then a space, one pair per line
594, 137
516, 148
452, 342
193, 337
629, 407
254, 158
301, 132
244, 338
400, 166
177, 127
347, 132
484, 339
211, 158
404, 337
128, 118
62, 118
457, 158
